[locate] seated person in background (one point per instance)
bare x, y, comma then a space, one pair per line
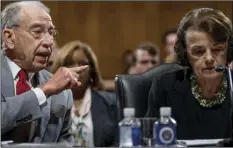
199, 96
145, 57
95, 112
127, 59
169, 40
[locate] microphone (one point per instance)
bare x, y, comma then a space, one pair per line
221, 68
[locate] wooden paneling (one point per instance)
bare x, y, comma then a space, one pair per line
112, 27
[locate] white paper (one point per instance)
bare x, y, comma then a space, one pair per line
197, 142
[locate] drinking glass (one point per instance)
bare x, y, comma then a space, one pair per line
147, 131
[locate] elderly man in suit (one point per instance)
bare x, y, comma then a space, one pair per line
35, 105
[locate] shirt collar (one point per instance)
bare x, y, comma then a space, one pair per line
87, 95
85, 106
14, 68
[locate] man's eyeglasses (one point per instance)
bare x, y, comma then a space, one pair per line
40, 32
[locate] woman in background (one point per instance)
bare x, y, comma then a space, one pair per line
95, 112
199, 96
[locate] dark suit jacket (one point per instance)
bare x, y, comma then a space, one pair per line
193, 121
104, 110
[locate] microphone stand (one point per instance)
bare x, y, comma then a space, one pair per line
230, 85
228, 142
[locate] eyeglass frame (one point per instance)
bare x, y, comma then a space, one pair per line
38, 36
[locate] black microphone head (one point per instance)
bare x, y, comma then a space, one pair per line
220, 68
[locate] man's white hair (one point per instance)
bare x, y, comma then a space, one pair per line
10, 14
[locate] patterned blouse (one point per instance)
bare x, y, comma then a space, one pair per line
82, 125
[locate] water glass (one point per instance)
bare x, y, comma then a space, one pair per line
147, 134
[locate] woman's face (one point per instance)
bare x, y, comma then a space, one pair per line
80, 59
204, 54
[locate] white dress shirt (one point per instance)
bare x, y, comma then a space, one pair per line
15, 70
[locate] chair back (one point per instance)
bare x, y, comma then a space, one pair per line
133, 90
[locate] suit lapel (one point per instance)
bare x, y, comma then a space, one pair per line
97, 119
45, 110
45, 119
182, 80
181, 92
181, 86
7, 81
184, 101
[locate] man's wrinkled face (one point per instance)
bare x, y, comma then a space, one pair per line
33, 39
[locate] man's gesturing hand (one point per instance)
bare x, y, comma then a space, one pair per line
64, 78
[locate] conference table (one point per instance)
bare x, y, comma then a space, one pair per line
181, 143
